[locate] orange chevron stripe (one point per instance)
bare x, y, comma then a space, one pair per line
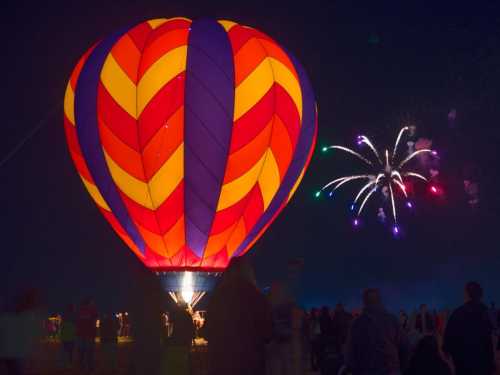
160, 108
125, 156
273, 50
165, 41
163, 144
281, 146
244, 158
238, 36
175, 238
237, 237
127, 55
247, 59
217, 241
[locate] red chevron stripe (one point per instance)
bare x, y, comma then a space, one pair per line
254, 209
281, 146
228, 216
139, 34
162, 41
75, 151
252, 123
116, 118
160, 108
239, 35
161, 147
241, 161
287, 111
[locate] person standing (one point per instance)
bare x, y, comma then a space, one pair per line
179, 343
468, 335
239, 323
86, 333
376, 345
425, 323
68, 336
108, 330
427, 360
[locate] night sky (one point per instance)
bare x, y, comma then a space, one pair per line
373, 65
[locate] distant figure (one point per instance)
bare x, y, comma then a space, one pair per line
68, 336
315, 338
425, 323
376, 344
403, 320
341, 323
427, 360
239, 323
468, 335
180, 342
86, 333
284, 352
108, 330
20, 332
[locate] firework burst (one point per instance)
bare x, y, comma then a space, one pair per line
388, 175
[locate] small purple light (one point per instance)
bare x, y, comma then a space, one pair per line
352, 207
395, 230
356, 222
409, 205
434, 153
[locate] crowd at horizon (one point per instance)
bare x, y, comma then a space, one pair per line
250, 333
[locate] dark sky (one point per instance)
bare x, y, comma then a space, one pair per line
373, 64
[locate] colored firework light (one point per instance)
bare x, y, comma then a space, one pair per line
388, 174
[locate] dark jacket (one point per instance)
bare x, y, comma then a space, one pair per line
376, 345
239, 323
467, 339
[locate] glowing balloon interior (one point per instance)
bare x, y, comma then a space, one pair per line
190, 136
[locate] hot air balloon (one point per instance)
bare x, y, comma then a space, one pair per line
191, 137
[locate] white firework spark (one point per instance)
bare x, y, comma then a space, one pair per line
385, 174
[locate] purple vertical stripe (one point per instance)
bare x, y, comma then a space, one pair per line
88, 135
208, 122
300, 155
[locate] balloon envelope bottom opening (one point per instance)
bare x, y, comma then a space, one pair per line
188, 286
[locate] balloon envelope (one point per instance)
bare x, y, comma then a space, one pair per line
190, 136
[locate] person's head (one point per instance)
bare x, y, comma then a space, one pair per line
371, 298
423, 308
473, 292
339, 307
325, 311
278, 294
314, 312
492, 305
466, 183
239, 269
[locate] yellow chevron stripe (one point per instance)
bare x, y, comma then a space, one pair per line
227, 25
253, 88
132, 187
235, 190
69, 104
287, 80
95, 194
154, 23
166, 179
269, 179
159, 74
119, 85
